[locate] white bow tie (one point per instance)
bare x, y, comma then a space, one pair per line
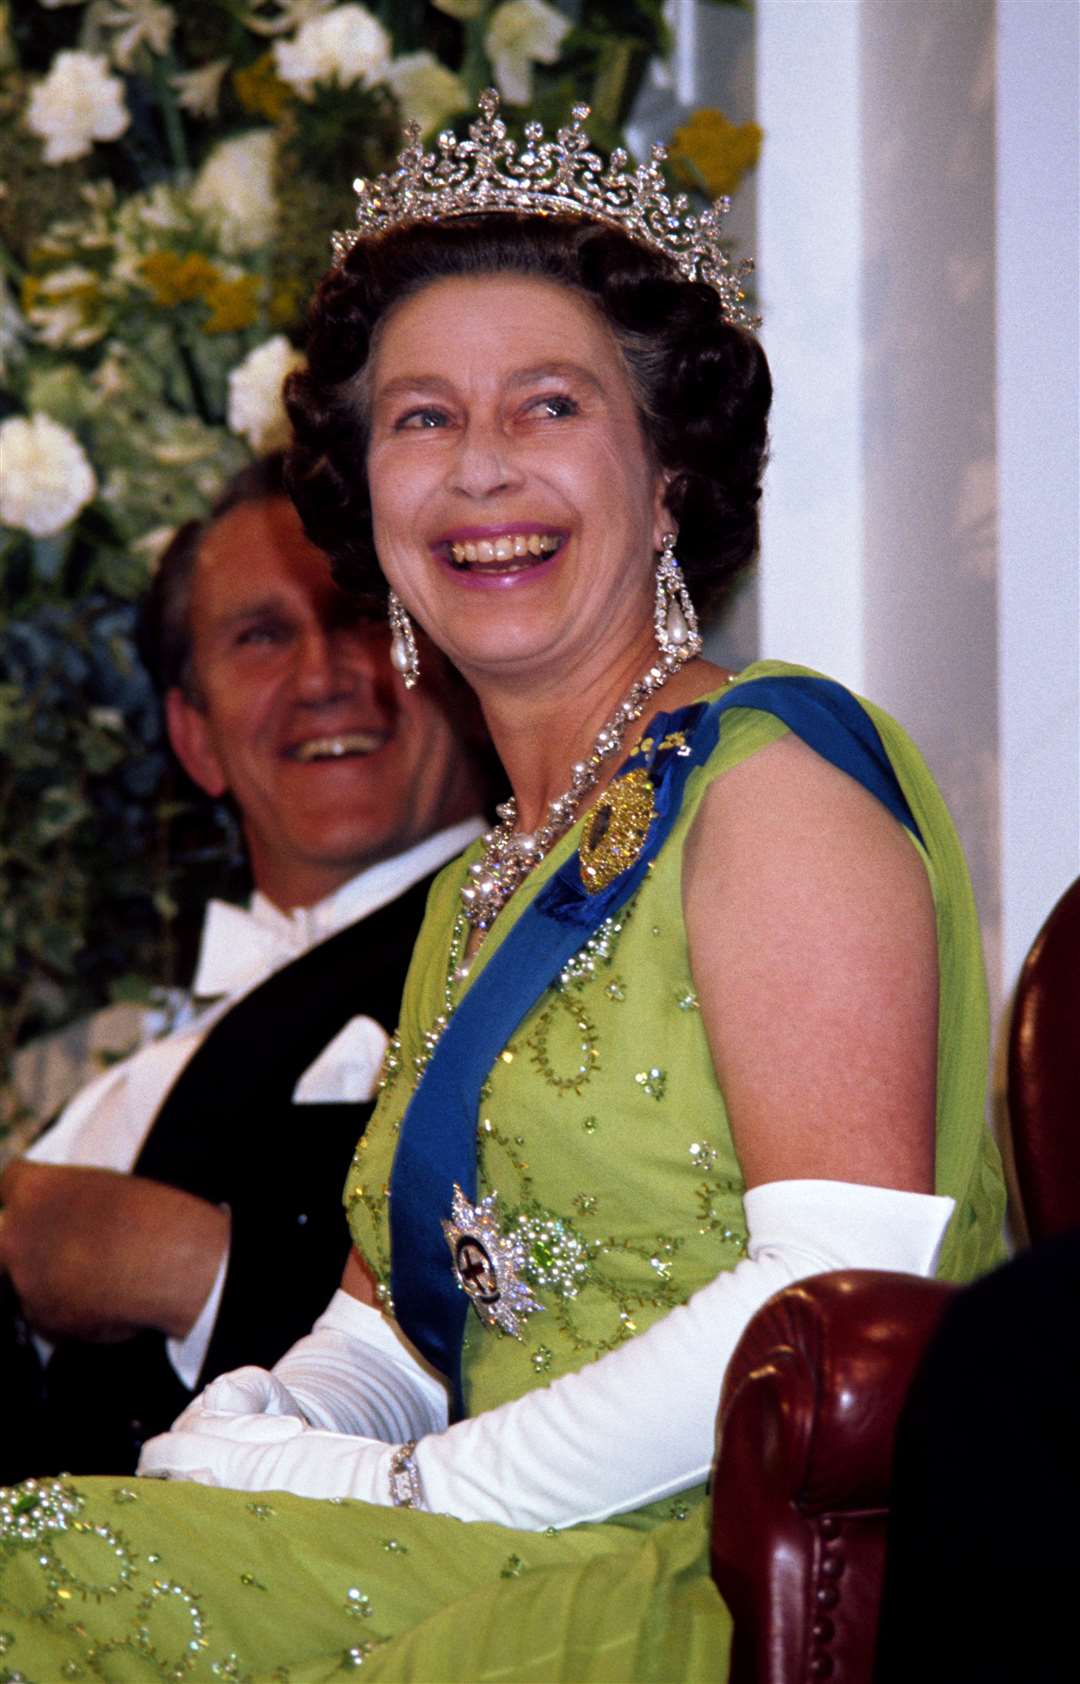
239, 949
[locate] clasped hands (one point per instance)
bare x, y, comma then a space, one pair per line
249, 1432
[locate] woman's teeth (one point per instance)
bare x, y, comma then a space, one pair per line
511, 547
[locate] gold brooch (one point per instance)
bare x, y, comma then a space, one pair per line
615, 830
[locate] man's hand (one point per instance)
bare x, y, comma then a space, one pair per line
96, 1254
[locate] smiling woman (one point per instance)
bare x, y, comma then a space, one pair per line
677, 1032
475, 441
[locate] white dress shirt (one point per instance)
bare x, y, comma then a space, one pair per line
107, 1122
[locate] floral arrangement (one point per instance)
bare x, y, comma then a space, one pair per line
169, 175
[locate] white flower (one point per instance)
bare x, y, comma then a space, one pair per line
521, 33
346, 45
255, 409
72, 279
63, 312
137, 22
235, 191
46, 477
76, 104
425, 89
161, 209
291, 14
198, 91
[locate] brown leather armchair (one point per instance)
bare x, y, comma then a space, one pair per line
816, 1385
801, 1489
1044, 1073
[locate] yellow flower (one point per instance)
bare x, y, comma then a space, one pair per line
286, 303
174, 279
260, 89
233, 304
712, 153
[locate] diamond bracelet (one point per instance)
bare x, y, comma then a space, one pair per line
406, 1491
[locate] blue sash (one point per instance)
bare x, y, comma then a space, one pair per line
437, 1142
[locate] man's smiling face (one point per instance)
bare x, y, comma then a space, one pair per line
297, 712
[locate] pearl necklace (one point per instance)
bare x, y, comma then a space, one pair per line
509, 854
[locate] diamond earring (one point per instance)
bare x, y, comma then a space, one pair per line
403, 655
674, 620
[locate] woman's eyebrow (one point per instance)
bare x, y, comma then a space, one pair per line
559, 370
411, 385
435, 385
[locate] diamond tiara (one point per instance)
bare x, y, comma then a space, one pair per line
560, 177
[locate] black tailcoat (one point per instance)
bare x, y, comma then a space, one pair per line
229, 1131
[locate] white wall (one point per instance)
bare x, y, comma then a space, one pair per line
917, 261
1038, 309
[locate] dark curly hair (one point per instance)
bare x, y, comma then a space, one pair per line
702, 386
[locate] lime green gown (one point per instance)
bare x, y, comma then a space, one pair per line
603, 1131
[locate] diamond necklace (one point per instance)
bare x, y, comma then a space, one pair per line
509, 854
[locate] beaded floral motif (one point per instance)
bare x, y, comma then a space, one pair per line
30, 1512
714, 1199
569, 1259
598, 950
392, 1064
652, 1081
86, 1562
556, 1258
579, 1031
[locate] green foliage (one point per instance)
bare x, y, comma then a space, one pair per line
129, 299
138, 274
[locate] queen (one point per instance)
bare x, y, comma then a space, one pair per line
703, 1014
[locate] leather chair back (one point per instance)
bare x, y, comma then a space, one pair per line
800, 1499
1044, 1073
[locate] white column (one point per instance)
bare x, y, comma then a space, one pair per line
1039, 565
877, 263
927, 392
809, 283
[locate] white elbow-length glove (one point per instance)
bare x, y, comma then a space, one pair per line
353, 1373
633, 1427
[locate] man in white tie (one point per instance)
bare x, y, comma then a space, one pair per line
183, 1214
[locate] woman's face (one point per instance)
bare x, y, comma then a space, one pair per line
515, 500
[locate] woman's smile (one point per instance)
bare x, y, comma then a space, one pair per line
505, 550
497, 557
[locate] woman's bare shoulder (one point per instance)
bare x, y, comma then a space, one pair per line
812, 941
